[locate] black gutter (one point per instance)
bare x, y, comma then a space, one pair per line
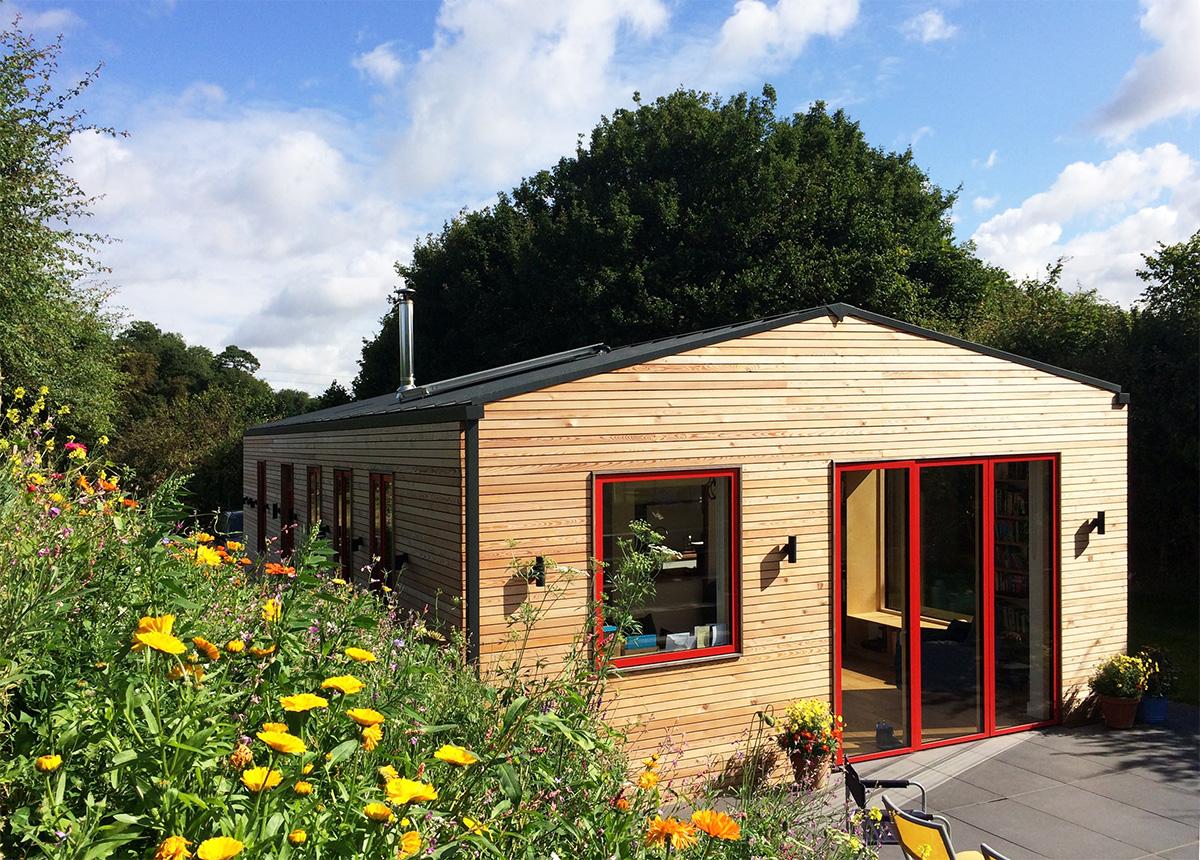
471, 535
431, 415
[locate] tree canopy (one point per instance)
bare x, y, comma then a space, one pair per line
54, 330
682, 214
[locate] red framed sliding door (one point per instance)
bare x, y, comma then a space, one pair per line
945, 595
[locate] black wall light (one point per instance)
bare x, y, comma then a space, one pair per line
356, 544
274, 512
1098, 523
791, 549
539, 571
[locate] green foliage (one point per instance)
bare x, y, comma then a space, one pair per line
53, 327
1121, 676
679, 215
148, 662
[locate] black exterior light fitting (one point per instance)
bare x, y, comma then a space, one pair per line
791, 549
1098, 523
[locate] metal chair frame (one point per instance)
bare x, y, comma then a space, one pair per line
857, 789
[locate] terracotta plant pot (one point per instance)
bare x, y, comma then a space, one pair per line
1118, 713
810, 775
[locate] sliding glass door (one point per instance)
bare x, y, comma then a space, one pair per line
945, 622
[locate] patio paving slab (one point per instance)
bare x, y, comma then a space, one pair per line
1044, 833
1176, 802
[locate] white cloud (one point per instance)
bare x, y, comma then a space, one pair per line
991, 159
983, 204
758, 36
1102, 216
928, 27
380, 64
44, 26
1165, 83
923, 131
254, 228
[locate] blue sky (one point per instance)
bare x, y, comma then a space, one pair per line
281, 156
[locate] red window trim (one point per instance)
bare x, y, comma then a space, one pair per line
990, 729
735, 572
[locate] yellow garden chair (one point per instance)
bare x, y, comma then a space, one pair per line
925, 836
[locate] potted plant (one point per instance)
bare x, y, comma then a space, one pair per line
1118, 682
809, 734
1161, 674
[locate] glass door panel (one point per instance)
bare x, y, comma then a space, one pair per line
874, 592
950, 586
1023, 605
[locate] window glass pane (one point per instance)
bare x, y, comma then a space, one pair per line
691, 608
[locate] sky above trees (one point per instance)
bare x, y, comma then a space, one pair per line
281, 156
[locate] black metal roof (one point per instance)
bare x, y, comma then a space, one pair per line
464, 397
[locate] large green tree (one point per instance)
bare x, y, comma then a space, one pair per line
677, 215
54, 329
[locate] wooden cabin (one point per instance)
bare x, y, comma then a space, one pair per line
928, 533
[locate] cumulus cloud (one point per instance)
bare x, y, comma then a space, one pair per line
928, 27
380, 65
254, 228
1163, 84
47, 23
762, 36
983, 204
1103, 217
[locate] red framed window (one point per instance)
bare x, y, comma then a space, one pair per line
381, 530
261, 502
313, 489
287, 501
342, 480
694, 608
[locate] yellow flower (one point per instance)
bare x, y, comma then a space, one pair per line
19, 392
338, 581
679, 832
360, 654
234, 546
103, 440
173, 848
410, 844
164, 642
365, 716
283, 742
344, 684
402, 791
260, 778
206, 648
275, 727
371, 736
150, 624
272, 610
302, 702
308, 768
296, 837
379, 812
235, 646
651, 763
388, 773
219, 848
207, 556
262, 652
456, 755
303, 788
716, 824
476, 827
647, 780
47, 763
202, 537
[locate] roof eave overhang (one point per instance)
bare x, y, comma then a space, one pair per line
408, 417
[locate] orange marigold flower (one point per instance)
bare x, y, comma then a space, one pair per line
647, 780
219, 848
652, 762
106, 485
296, 837
272, 610
261, 778
387, 772
456, 755
716, 824
365, 716
679, 832
209, 650
235, 646
344, 684
362, 655
241, 756
173, 848
302, 702
276, 569
303, 788
275, 727
410, 844
371, 736
622, 804
47, 763
283, 742
262, 652
163, 642
402, 791
132, 503
151, 624
379, 812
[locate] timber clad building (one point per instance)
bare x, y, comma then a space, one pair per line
928, 533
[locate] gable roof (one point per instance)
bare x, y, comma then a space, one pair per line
464, 397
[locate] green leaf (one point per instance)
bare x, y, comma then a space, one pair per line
510, 783
343, 751
124, 757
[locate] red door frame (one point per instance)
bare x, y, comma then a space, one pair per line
913, 607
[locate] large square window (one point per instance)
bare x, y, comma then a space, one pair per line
692, 611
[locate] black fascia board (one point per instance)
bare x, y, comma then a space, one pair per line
397, 418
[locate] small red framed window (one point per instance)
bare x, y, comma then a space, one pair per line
693, 611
